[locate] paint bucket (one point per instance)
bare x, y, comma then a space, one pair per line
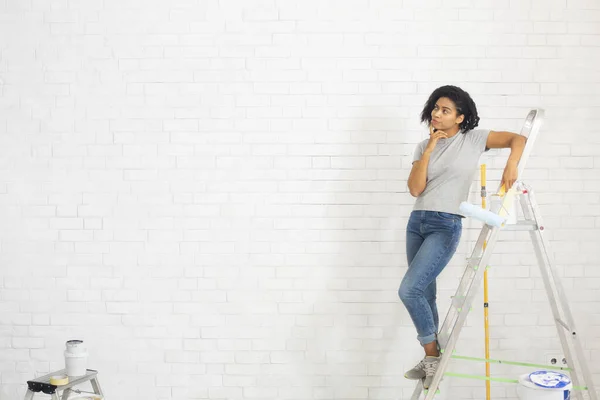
544, 385
76, 358
508, 212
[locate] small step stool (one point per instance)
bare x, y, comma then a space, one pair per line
42, 384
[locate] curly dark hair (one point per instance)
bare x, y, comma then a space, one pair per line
464, 106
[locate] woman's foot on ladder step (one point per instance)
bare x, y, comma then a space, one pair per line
431, 365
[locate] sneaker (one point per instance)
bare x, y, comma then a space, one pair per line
431, 365
418, 372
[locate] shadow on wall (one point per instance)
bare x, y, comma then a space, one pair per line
369, 339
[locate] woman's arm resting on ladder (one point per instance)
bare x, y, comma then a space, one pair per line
516, 144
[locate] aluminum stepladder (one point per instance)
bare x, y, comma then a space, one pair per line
478, 261
42, 384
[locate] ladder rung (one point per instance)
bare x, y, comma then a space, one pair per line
564, 325
458, 302
523, 225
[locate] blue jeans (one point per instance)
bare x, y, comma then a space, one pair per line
431, 240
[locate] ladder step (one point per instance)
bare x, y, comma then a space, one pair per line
458, 303
523, 225
564, 325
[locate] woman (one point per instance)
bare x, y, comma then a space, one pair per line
440, 179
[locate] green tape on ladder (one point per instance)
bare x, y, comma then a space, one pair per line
504, 380
522, 364
482, 378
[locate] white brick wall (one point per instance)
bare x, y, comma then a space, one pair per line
212, 194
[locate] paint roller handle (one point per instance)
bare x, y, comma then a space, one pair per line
501, 191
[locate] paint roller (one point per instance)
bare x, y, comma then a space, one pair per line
481, 214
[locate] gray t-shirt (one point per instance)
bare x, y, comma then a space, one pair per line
451, 168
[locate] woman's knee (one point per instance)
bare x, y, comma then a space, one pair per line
408, 291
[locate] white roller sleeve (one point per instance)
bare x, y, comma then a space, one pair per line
488, 217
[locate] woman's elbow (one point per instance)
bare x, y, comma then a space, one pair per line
415, 192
